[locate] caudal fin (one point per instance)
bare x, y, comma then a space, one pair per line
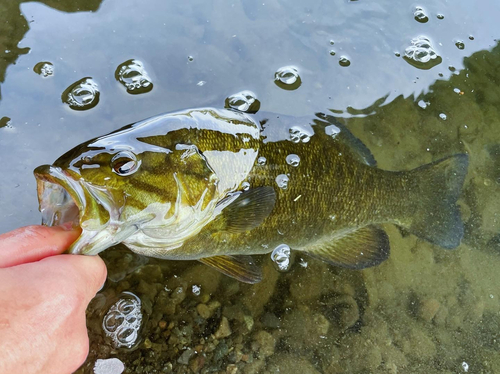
437, 217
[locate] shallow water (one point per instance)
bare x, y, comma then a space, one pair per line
424, 310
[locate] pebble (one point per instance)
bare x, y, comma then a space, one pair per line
224, 329
428, 308
204, 311
264, 342
185, 356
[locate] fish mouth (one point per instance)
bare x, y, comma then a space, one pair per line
61, 199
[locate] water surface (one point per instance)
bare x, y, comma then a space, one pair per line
425, 310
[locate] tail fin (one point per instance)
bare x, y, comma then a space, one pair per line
437, 217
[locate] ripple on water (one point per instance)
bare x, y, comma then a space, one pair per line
134, 77
420, 15
81, 95
44, 68
421, 53
281, 256
287, 77
123, 321
244, 101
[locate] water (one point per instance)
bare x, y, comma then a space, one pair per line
425, 310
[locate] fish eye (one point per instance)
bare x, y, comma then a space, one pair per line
124, 163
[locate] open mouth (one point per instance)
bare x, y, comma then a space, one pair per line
61, 198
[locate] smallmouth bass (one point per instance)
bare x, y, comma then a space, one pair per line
218, 185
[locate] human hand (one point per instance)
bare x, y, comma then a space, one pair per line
43, 297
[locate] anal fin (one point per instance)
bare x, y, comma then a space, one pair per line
241, 268
358, 249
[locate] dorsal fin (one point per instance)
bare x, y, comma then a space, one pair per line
359, 150
241, 268
357, 249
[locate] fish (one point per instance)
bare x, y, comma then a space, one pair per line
219, 185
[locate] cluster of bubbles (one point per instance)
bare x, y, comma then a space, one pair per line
287, 77
282, 181
244, 101
299, 135
84, 94
281, 256
44, 68
81, 95
420, 15
134, 77
421, 53
123, 321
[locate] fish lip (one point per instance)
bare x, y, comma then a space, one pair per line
54, 182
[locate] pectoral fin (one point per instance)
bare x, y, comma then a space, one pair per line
248, 210
241, 268
359, 249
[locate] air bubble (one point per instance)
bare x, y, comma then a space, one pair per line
244, 101
293, 160
287, 78
332, 131
299, 135
201, 83
397, 54
281, 256
282, 181
196, 289
440, 16
460, 44
332, 42
134, 77
420, 15
344, 61
190, 58
123, 321
82, 95
421, 54
332, 53
423, 104
245, 186
261, 160
443, 116
44, 68
5, 122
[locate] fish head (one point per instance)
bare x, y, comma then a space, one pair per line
150, 178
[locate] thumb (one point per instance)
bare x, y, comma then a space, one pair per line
32, 243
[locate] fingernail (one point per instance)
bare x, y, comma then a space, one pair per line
68, 226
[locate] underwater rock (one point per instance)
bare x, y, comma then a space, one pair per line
288, 363
224, 329
428, 308
263, 343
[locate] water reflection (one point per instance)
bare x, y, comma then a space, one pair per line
17, 26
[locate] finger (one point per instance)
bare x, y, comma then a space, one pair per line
83, 274
32, 243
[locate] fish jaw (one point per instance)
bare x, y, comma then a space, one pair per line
64, 197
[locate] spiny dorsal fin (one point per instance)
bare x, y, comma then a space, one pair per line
359, 249
248, 210
241, 268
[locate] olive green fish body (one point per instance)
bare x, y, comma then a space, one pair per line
212, 184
